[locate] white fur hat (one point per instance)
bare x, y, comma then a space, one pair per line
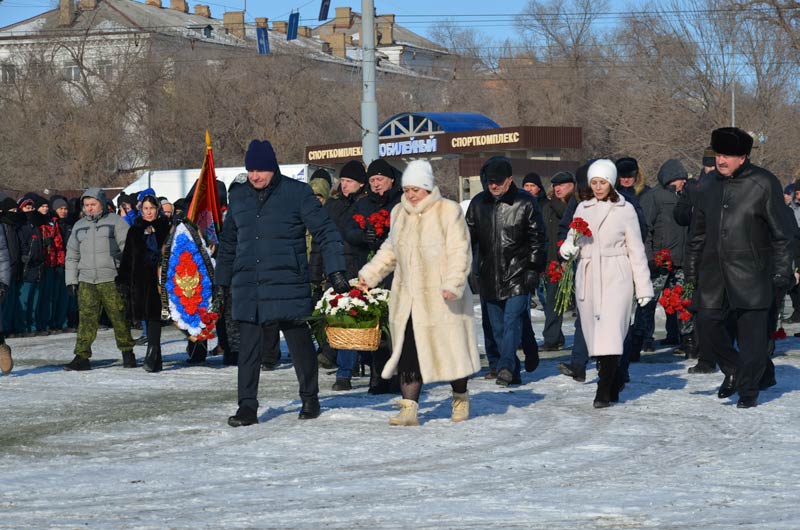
604, 169
419, 173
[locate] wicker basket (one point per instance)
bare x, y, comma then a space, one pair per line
362, 339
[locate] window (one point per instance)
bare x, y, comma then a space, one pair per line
72, 72
105, 68
8, 74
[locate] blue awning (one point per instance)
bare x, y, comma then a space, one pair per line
448, 122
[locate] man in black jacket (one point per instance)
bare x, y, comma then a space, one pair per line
340, 208
262, 259
508, 237
383, 194
666, 234
738, 256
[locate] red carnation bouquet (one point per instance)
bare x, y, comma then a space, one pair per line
555, 270
663, 259
379, 220
677, 300
566, 281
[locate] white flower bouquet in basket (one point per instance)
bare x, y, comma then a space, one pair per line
353, 320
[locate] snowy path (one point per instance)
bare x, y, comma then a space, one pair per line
116, 448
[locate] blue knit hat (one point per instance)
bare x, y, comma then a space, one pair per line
260, 157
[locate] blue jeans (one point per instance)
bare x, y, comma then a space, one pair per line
492, 353
505, 317
346, 360
580, 352
28, 302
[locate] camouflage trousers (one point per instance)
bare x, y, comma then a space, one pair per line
92, 299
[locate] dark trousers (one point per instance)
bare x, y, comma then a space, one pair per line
750, 362
271, 344
552, 321
301, 348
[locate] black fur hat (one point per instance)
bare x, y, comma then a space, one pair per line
731, 141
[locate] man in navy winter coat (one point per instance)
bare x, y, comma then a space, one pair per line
262, 259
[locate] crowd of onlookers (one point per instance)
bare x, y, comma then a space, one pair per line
37, 230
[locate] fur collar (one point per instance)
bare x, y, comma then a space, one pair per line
432, 198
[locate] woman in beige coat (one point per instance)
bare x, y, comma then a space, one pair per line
430, 306
611, 264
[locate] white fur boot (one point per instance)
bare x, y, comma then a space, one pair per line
460, 406
408, 413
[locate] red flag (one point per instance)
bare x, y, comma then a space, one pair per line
205, 210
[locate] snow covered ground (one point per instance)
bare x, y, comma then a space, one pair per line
116, 448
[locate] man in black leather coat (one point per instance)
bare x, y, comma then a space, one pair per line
738, 256
508, 238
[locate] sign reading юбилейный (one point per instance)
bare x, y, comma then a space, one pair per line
522, 138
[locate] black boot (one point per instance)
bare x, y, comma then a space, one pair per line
532, 357
244, 416
606, 370
578, 374
702, 367
128, 359
342, 384
197, 352
310, 409
78, 364
152, 360
378, 385
728, 386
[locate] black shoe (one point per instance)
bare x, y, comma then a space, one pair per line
325, 362
570, 371
141, 341
244, 416
382, 387
128, 359
78, 364
152, 360
532, 361
267, 367
310, 409
702, 368
648, 346
217, 351
505, 378
669, 341
794, 317
601, 404
728, 387
342, 384
552, 347
746, 403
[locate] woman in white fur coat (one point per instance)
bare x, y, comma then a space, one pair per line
610, 265
430, 306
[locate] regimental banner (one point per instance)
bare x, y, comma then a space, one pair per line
425, 146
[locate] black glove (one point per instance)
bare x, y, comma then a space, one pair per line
316, 291
339, 282
782, 283
370, 237
72, 290
3, 291
472, 280
532, 281
218, 300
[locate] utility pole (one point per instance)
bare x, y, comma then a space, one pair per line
733, 104
369, 103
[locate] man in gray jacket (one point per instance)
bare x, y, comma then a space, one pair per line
93, 254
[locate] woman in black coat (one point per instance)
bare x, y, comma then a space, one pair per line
138, 274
